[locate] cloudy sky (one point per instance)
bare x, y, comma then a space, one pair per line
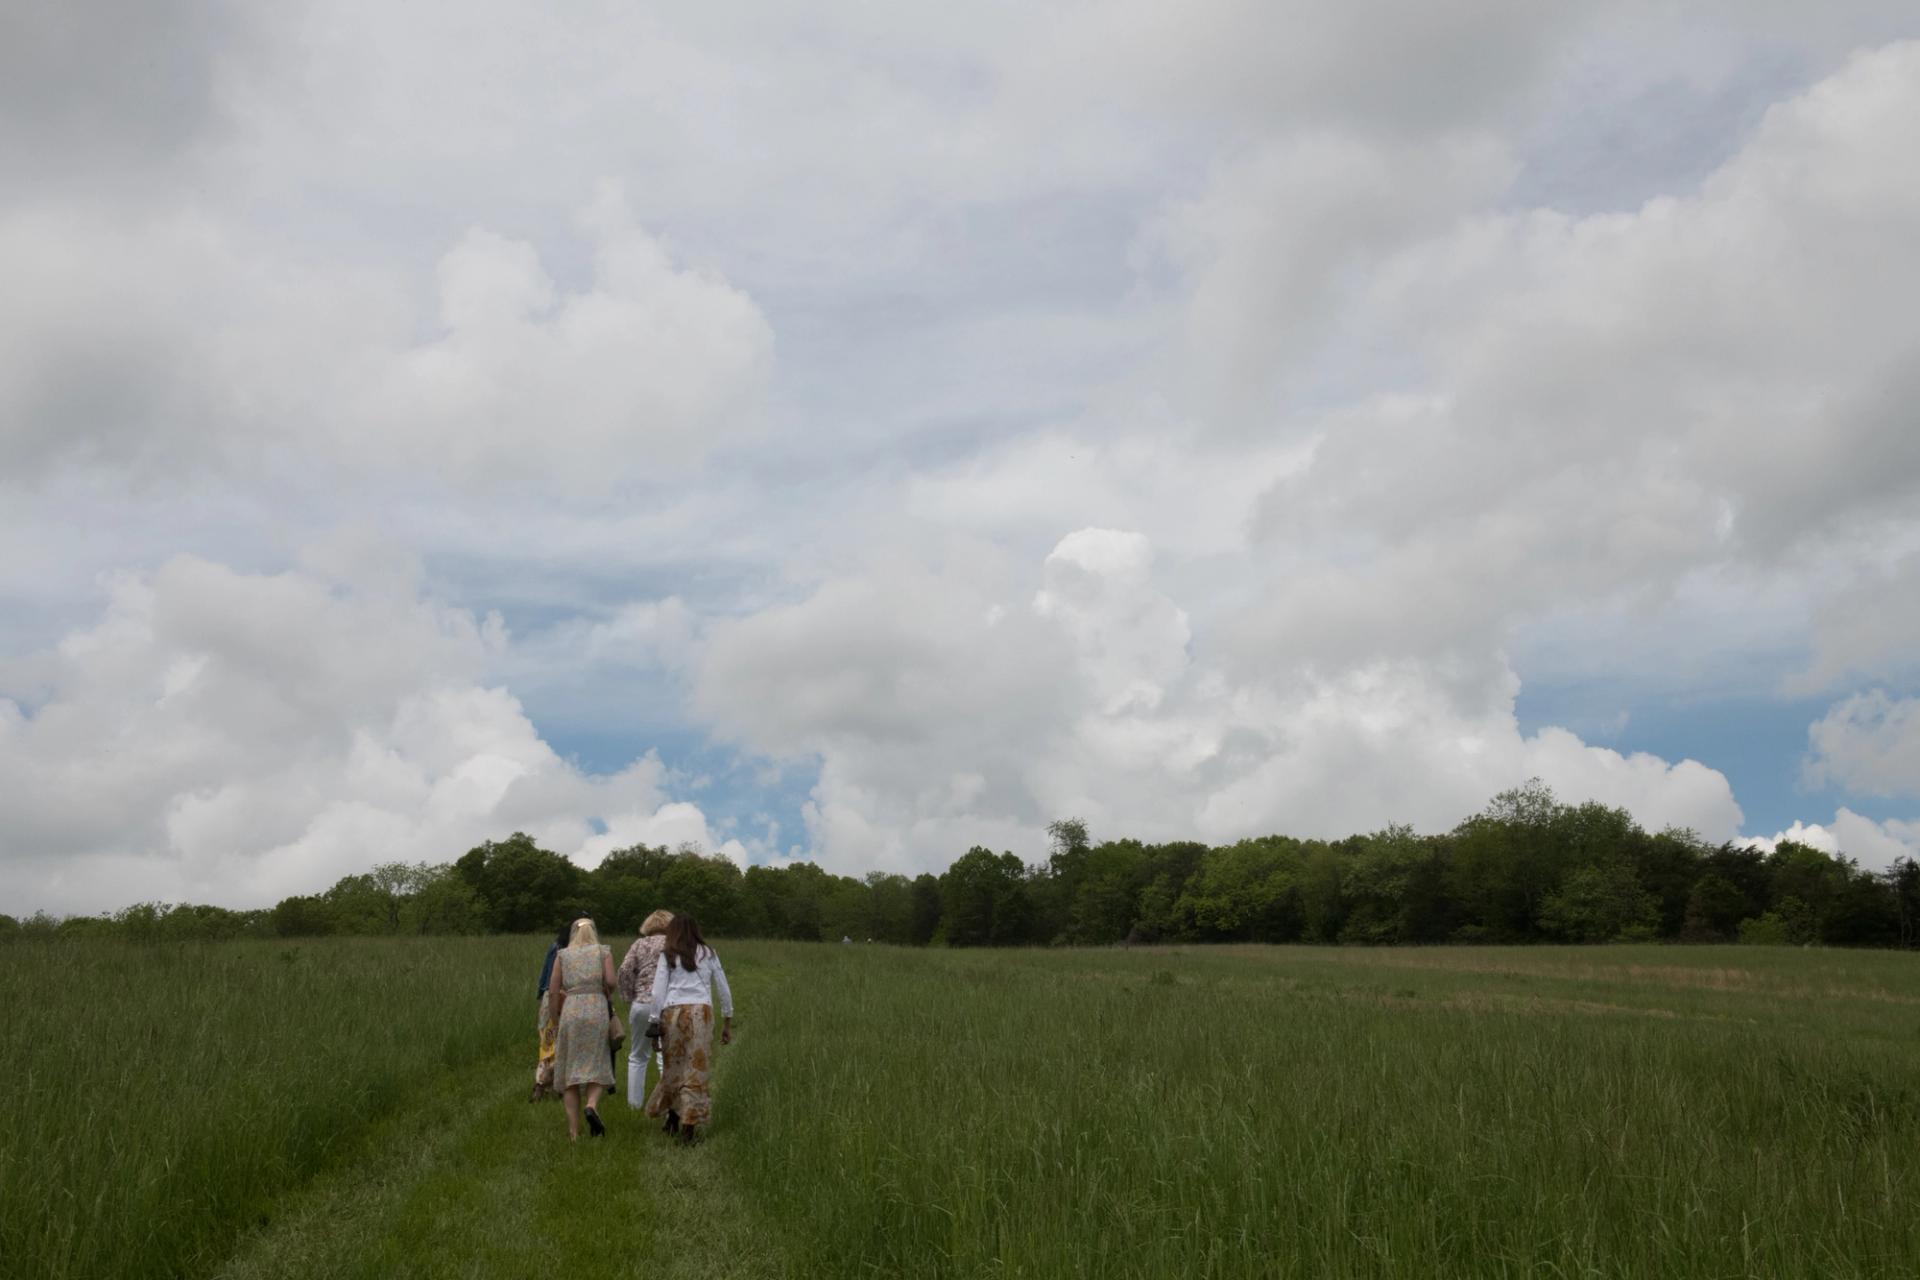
858, 431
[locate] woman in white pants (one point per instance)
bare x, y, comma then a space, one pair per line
636, 988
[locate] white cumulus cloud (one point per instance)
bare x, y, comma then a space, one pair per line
230, 737
1869, 744
946, 709
1874, 845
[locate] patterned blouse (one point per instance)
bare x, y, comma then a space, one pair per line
636, 971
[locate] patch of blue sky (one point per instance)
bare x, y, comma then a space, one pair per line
1758, 742
742, 796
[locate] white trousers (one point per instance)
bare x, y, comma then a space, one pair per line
639, 1049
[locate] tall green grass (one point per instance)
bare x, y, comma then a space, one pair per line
1298, 1112
159, 1098
1620, 1112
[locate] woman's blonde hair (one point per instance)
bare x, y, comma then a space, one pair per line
584, 934
656, 923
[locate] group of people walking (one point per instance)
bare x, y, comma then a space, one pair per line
669, 980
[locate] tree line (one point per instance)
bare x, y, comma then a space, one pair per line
1527, 869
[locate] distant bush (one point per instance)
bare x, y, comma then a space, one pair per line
1596, 904
1767, 930
307, 916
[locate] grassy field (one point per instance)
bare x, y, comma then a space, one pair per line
356, 1108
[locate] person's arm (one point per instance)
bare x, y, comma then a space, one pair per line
659, 994
546, 969
607, 978
630, 974
719, 979
556, 994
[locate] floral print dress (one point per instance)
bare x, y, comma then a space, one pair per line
580, 1052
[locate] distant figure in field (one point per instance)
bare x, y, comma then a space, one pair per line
684, 1008
636, 988
578, 989
545, 1022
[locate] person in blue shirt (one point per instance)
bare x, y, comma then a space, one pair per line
548, 1025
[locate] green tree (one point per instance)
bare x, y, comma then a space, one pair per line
190, 922
1743, 867
1051, 891
1715, 908
984, 901
1103, 906
1863, 911
1016, 920
1812, 879
141, 921
1507, 860
1394, 883
625, 888
927, 907
1669, 865
1598, 904
1246, 892
1154, 918
1903, 881
302, 917
788, 901
890, 907
1323, 902
847, 910
522, 888
389, 885
1797, 918
707, 887
442, 903
1766, 930
1164, 872
1070, 844
358, 905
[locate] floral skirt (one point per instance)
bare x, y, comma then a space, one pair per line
581, 1054
686, 1050
546, 1027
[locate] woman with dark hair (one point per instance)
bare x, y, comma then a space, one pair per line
688, 971
546, 1023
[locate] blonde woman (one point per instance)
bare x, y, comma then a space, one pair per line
636, 988
578, 987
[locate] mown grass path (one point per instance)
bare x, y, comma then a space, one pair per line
476, 1181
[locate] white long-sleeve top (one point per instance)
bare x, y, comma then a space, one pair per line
673, 985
